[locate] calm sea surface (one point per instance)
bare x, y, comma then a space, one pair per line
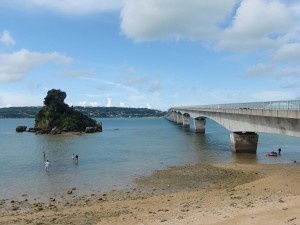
127, 148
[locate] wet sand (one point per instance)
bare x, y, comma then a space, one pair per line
197, 194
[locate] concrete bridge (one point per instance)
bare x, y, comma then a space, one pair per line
244, 120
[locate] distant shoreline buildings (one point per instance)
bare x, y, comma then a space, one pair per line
96, 112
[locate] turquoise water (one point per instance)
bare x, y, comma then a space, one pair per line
127, 148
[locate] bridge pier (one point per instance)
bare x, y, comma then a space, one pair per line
173, 117
244, 142
179, 119
199, 125
186, 120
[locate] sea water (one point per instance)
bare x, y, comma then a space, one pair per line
127, 148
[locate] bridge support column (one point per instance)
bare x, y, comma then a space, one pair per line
244, 142
179, 119
173, 117
199, 125
186, 121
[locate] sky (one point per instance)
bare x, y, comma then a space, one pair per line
149, 53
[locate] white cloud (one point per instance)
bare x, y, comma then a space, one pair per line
235, 25
122, 104
288, 52
109, 102
286, 77
148, 106
157, 19
7, 39
256, 24
288, 72
292, 36
85, 104
14, 66
259, 70
290, 85
94, 104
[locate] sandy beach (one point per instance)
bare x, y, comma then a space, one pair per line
197, 194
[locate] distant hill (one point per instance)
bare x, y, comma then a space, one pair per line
96, 112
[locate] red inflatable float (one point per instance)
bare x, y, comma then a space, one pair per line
272, 154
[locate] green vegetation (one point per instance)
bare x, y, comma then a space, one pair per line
57, 114
19, 112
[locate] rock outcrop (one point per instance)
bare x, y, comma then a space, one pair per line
56, 116
21, 128
97, 128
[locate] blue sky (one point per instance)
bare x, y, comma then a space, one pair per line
149, 53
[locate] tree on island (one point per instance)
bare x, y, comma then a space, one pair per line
55, 114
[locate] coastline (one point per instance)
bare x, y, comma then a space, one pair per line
207, 193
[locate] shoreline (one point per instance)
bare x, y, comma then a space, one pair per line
211, 193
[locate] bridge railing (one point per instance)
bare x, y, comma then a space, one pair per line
272, 105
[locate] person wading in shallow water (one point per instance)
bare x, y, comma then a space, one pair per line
47, 164
76, 159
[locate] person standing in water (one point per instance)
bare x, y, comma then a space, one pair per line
47, 164
76, 159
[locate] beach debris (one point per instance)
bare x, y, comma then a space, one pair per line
14, 208
185, 210
290, 220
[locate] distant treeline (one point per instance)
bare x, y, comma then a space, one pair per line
101, 112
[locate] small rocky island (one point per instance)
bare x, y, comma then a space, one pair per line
56, 117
